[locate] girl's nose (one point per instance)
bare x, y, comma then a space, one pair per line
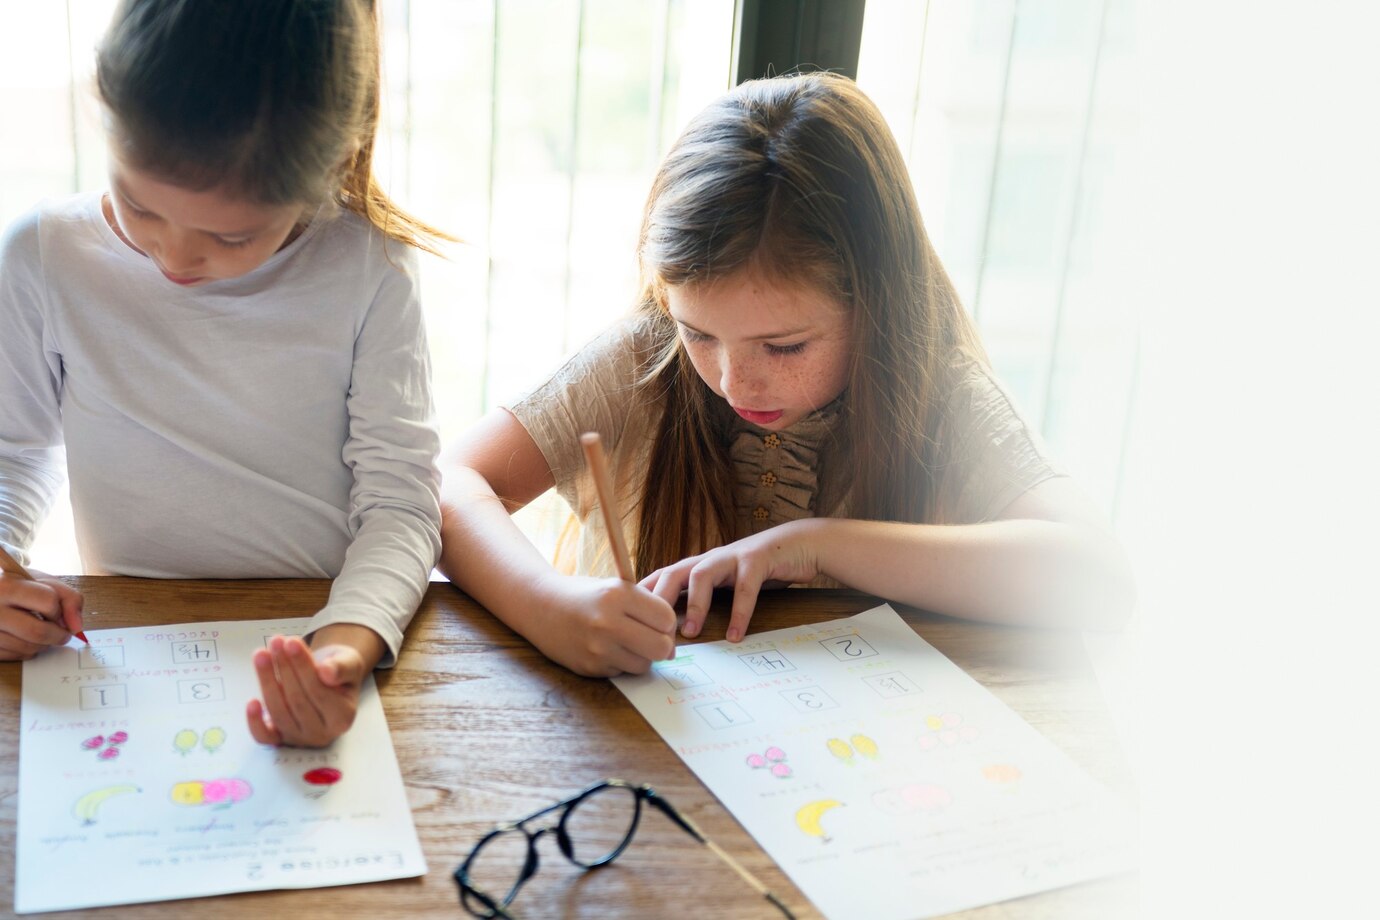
739, 380
179, 253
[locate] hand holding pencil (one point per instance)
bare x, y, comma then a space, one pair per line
35, 613
600, 627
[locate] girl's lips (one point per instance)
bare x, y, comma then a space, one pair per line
760, 418
178, 279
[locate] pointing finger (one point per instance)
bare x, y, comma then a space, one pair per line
745, 592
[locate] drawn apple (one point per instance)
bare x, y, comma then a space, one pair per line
321, 779
322, 776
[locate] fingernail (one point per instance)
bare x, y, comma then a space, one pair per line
690, 630
734, 634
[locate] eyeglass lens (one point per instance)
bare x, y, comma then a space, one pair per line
599, 825
496, 868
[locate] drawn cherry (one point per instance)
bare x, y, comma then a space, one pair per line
756, 761
118, 738
109, 753
90, 744
781, 770
322, 776
775, 754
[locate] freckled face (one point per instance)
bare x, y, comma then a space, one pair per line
775, 352
195, 237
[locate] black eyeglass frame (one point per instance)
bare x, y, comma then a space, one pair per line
490, 907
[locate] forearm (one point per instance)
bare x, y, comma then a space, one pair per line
487, 556
362, 639
384, 576
27, 489
1015, 571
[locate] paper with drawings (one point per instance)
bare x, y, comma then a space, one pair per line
139, 781
885, 781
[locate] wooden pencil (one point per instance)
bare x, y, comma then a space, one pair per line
603, 486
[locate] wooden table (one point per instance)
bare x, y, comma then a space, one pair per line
487, 730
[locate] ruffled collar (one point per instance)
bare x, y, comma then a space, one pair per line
776, 473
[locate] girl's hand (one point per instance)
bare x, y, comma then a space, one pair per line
35, 615
601, 627
783, 555
310, 694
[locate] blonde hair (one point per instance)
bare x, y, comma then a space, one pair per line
276, 101
797, 178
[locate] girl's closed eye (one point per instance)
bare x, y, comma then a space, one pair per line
234, 244
691, 335
781, 350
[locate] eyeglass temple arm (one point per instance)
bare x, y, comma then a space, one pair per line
665, 808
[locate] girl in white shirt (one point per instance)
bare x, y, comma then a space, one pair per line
227, 346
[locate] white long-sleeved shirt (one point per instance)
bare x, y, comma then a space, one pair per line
274, 425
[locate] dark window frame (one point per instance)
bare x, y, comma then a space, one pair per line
772, 37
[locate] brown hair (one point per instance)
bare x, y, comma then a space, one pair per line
276, 101
797, 178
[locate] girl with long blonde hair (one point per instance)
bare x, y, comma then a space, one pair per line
798, 398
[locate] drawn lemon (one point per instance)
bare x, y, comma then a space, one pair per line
864, 746
840, 749
190, 793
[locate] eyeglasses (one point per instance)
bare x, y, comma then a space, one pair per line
593, 828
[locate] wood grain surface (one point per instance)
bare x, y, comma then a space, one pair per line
486, 730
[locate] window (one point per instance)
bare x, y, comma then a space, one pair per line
532, 128
1017, 123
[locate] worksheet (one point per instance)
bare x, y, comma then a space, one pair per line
139, 780
885, 781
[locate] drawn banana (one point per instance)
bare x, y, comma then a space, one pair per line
86, 807
807, 817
